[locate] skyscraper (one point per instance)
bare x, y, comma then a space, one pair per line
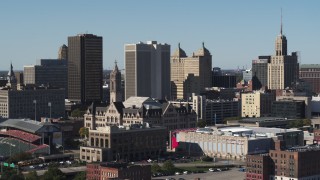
283, 69
260, 72
63, 52
51, 72
190, 74
115, 85
85, 68
147, 67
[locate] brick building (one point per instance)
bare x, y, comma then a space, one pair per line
301, 162
105, 171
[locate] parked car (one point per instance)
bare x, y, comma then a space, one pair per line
211, 170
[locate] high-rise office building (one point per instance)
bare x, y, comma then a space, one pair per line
283, 69
51, 72
85, 68
190, 74
63, 52
115, 85
147, 70
260, 72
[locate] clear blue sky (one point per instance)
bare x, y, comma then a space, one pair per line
235, 31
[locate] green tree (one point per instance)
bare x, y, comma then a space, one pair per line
77, 113
54, 173
80, 176
168, 166
155, 168
84, 132
296, 123
307, 122
11, 174
20, 157
32, 175
201, 124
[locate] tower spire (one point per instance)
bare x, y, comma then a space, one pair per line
281, 23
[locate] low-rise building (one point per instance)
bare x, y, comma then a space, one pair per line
257, 165
136, 142
235, 142
289, 109
105, 171
295, 163
279, 122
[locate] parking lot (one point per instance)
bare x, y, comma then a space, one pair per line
232, 174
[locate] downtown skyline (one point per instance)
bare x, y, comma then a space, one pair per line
234, 32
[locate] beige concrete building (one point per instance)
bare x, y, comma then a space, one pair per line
256, 104
147, 70
234, 142
283, 69
112, 143
190, 74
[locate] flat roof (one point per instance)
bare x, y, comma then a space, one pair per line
234, 129
272, 130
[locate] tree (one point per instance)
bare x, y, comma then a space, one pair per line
206, 158
307, 122
155, 168
20, 157
32, 175
80, 176
201, 124
84, 132
77, 113
11, 174
296, 123
168, 166
54, 173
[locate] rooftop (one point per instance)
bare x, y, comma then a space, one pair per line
314, 66
26, 125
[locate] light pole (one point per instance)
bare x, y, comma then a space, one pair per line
49, 104
35, 109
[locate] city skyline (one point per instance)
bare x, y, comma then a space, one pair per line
234, 32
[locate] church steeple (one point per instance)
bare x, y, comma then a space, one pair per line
281, 42
115, 84
12, 80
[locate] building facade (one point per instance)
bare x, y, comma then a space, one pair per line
112, 143
283, 69
190, 74
147, 70
234, 142
32, 103
225, 81
260, 72
256, 104
215, 111
85, 68
281, 163
140, 110
53, 72
311, 73
63, 52
105, 171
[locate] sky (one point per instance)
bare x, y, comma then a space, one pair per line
234, 31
